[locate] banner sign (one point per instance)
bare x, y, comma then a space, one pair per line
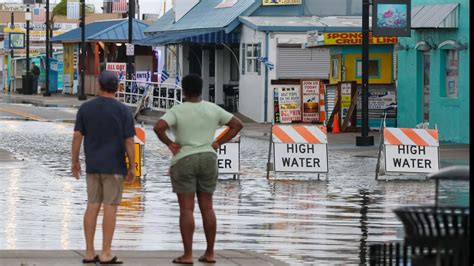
310, 100
119, 68
38, 30
391, 18
355, 38
289, 101
411, 150
281, 2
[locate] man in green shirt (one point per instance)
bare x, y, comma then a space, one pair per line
194, 163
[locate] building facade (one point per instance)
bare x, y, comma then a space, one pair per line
433, 69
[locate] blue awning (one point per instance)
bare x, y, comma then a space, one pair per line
211, 36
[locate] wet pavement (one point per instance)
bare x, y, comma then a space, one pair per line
292, 217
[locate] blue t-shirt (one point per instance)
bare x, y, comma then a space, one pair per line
105, 124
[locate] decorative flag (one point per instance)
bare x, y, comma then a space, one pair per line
265, 61
164, 76
119, 6
39, 15
73, 11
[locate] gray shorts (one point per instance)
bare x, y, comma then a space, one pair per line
195, 173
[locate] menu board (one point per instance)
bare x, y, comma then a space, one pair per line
310, 100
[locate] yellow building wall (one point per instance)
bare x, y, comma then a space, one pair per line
385, 68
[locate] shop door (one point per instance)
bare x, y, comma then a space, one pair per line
425, 58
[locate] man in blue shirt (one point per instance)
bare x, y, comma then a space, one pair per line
107, 127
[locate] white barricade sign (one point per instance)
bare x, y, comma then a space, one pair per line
228, 155
411, 150
300, 148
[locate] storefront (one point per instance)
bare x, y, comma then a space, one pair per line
346, 67
433, 84
105, 43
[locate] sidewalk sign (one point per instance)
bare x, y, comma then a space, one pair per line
139, 152
310, 100
289, 103
408, 150
228, 155
299, 148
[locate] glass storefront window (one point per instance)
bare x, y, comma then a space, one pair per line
451, 73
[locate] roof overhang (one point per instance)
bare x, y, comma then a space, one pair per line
435, 16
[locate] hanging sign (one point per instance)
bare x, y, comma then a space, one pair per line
310, 100
300, 148
130, 49
346, 98
228, 155
391, 18
411, 150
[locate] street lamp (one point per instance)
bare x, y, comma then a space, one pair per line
28, 74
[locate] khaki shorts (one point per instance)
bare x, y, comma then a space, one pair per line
196, 172
104, 188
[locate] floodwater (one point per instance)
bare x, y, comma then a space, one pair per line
295, 218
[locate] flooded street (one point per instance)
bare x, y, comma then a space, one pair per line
301, 220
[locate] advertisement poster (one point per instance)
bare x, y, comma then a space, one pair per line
346, 93
310, 100
289, 100
119, 68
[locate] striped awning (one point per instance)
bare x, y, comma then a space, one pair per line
200, 37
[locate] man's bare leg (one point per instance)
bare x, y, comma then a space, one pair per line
90, 223
108, 228
186, 224
209, 222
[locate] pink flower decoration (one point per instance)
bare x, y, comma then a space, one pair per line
397, 21
388, 14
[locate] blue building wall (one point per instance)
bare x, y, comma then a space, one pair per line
451, 115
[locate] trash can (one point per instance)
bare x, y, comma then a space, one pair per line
27, 84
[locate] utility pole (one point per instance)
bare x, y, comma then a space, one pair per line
47, 93
365, 139
82, 96
131, 15
27, 84
12, 53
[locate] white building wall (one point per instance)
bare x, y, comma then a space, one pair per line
251, 85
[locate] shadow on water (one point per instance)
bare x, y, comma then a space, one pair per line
292, 217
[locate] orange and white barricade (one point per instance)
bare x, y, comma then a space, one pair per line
300, 148
139, 152
228, 155
408, 150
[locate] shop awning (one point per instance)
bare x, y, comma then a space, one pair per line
435, 16
200, 37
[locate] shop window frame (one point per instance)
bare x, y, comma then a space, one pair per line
370, 77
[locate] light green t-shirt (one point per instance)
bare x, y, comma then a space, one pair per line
194, 126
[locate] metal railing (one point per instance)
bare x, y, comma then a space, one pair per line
153, 95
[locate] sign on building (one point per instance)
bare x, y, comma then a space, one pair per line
289, 103
410, 150
354, 38
228, 155
130, 49
300, 148
119, 68
310, 100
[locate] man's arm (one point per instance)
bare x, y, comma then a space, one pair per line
160, 130
235, 125
130, 150
76, 148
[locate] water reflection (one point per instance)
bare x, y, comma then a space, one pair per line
299, 221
